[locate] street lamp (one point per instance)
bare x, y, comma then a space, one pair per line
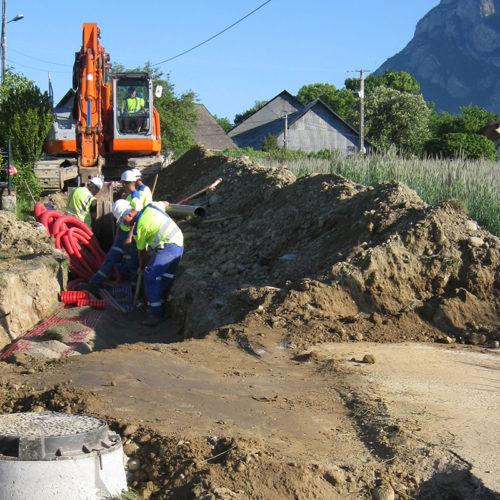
4, 33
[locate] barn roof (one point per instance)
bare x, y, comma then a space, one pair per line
209, 133
253, 136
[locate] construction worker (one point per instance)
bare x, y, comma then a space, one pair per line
123, 252
119, 254
142, 189
128, 180
154, 229
133, 111
82, 202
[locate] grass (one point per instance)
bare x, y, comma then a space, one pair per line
54, 333
475, 184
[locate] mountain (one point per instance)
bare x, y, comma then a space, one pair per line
455, 55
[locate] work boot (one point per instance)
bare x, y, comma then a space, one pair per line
151, 321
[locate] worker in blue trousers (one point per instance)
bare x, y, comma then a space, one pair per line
155, 230
123, 252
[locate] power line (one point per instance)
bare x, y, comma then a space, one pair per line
13, 64
41, 60
212, 37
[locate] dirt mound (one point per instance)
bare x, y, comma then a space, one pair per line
18, 238
325, 259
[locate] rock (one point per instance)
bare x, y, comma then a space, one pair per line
383, 492
335, 477
369, 358
477, 339
130, 430
471, 226
134, 465
130, 448
376, 319
495, 344
476, 242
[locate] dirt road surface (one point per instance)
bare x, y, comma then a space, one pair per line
333, 421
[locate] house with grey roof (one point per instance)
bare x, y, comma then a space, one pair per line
209, 133
310, 128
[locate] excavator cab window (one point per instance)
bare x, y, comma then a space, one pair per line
133, 111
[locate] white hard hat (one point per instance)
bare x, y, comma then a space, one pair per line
97, 182
121, 208
137, 173
128, 176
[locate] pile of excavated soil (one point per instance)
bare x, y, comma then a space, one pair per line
21, 239
325, 259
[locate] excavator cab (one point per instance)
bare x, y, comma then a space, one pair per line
132, 97
136, 124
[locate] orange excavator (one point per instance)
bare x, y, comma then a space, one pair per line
106, 121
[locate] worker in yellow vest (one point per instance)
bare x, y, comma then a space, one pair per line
123, 252
142, 189
133, 111
155, 230
82, 202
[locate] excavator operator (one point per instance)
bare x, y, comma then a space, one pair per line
133, 111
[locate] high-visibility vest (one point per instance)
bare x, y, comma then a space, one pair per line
153, 227
79, 204
133, 105
137, 204
145, 194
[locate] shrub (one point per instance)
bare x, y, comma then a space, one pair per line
460, 145
269, 143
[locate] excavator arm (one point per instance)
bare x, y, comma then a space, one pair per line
92, 102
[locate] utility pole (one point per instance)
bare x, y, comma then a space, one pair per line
361, 93
362, 112
4, 34
285, 133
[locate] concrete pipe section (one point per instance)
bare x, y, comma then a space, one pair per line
50, 455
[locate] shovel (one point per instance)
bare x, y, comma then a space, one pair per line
137, 289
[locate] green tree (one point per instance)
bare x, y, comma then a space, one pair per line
25, 118
241, 117
340, 101
397, 80
470, 121
397, 119
461, 145
224, 123
177, 113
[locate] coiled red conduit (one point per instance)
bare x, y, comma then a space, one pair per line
77, 241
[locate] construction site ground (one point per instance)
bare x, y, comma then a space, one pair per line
325, 340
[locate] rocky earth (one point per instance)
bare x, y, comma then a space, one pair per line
295, 303
324, 259
454, 55
32, 274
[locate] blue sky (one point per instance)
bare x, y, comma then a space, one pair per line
282, 46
